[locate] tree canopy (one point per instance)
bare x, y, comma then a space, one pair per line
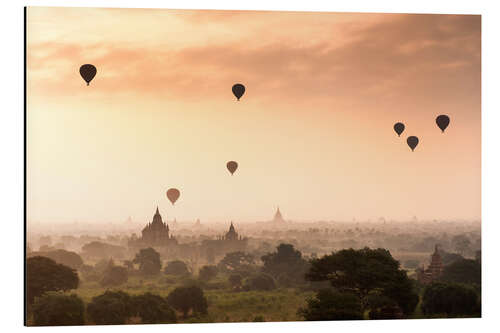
207, 273
44, 274
332, 305
110, 308
58, 310
186, 299
463, 271
67, 258
153, 309
365, 272
286, 260
149, 261
177, 267
450, 299
237, 262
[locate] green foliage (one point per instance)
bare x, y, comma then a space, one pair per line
463, 271
448, 258
286, 260
260, 281
331, 305
67, 258
110, 308
382, 307
364, 272
149, 261
114, 276
176, 267
235, 280
58, 310
44, 274
207, 273
185, 299
237, 262
450, 299
258, 319
153, 309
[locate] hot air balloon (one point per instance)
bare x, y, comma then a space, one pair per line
232, 166
443, 121
399, 128
412, 142
238, 90
88, 72
173, 194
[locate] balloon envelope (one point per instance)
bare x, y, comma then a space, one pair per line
412, 142
238, 90
173, 194
232, 166
88, 72
443, 121
399, 128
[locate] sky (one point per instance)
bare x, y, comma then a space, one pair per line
313, 132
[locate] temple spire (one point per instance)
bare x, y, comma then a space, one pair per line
157, 211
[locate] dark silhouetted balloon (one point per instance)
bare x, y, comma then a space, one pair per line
173, 194
399, 128
442, 121
412, 142
88, 72
232, 166
238, 90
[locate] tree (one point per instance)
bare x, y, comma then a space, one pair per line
207, 273
462, 271
58, 310
235, 280
110, 308
149, 261
177, 267
451, 299
286, 260
332, 305
237, 262
364, 272
44, 274
461, 243
114, 276
153, 309
186, 299
67, 258
260, 281
103, 250
448, 258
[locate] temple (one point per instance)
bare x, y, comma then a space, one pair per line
433, 272
157, 233
278, 218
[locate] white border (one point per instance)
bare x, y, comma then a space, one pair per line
11, 166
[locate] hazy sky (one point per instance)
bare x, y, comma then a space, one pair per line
313, 132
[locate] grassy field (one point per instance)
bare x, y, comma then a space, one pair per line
224, 305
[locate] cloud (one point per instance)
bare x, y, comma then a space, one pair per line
393, 57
